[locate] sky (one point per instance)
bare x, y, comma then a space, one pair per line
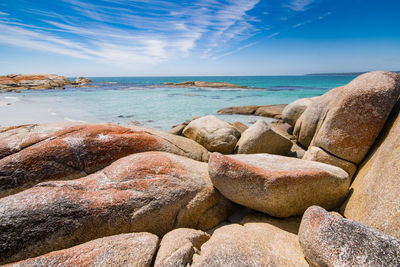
199, 37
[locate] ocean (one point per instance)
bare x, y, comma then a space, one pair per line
140, 100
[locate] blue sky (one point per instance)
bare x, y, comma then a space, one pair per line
199, 37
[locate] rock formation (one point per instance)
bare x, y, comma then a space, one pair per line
271, 111
212, 133
276, 185
329, 240
14, 82
147, 192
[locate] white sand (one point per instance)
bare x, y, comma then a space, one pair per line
16, 110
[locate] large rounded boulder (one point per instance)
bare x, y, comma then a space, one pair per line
212, 133
146, 192
277, 185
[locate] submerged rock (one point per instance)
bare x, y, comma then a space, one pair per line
135, 249
261, 138
147, 192
329, 240
276, 185
32, 81
212, 133
271, 111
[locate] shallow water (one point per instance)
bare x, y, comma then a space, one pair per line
125, 99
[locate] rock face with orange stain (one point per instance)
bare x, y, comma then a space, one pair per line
136, 249
147, 192
13, 82
375, 191
346, 120
329, 240
277, 185
31, 154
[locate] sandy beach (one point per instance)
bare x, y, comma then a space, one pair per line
18, 110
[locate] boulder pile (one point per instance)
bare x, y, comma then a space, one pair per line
15, 82
214, 194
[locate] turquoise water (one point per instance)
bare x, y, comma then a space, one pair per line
125, 99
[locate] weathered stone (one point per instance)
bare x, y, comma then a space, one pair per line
178, 129
178, 247
346, 120
179, 145
241, 127
276, 185
82, 80
296, 151
32, 81
271, 111
217, 84
293, 111
290, 224
253, 244
375, 192
261, 138
184, 84
15, 138
328, 240
135, 249
243, 110
212, 133
75, 151
283, 129
317, 154
147, 192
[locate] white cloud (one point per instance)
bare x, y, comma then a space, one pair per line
129, 32
300, 5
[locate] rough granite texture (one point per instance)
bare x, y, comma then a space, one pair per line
346, 120
37, 153
252, 244
261, 138
375, 192
329, 240
147, 192
317, 154
292, 112
271, 111
178, 247
212, 133
136, 250
276, 185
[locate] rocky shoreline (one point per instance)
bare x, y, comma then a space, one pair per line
17, 82
320, 187
204, 84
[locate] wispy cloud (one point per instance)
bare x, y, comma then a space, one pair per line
129, 32
311, 20
273, 35
233, 51
300, 5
